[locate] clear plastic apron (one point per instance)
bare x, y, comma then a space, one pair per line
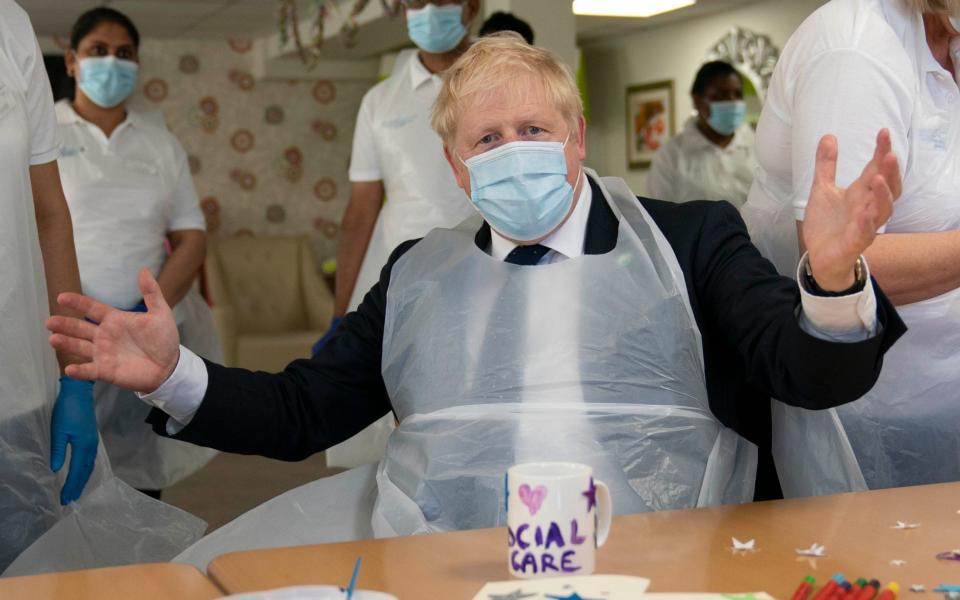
906, 430
596, 359
106, 194
140, 457
111, 523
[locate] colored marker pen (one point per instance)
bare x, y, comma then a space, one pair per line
804, 590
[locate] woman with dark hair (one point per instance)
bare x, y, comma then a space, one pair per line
129, 188
713, 158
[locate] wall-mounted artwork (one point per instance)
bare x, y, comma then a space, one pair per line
650, 119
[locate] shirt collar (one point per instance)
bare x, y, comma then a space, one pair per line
66, 115
568, 240
907, 23
418, 73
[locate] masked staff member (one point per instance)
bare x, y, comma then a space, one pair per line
397, 157
567, 321
713, 158
851, 67
129, 190
37, 262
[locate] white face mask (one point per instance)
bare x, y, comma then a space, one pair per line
955, 22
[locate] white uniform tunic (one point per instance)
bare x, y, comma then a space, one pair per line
691, 167
394, 143
126, 193
852, 68
110, 523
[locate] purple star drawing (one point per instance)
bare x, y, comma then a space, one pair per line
591, 495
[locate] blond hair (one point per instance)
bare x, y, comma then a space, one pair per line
496, 61
936, 6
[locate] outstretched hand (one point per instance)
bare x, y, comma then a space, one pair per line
841, 223
135, 351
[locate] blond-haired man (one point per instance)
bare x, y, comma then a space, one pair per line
567, 321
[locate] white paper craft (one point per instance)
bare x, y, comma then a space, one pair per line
738, 545
898, 562
905, 525
918, 587
814, 550
310, 592
601, 587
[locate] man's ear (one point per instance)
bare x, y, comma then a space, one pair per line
581, 138
459, 171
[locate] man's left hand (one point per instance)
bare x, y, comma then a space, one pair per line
841, 223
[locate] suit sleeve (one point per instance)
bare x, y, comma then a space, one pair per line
312, 405
755, 310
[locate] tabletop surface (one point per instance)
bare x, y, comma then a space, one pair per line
680, 551
143, 582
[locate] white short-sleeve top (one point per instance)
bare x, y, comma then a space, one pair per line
394, 143
852, 68
125, 192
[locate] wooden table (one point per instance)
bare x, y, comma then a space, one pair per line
685, 550
161, 581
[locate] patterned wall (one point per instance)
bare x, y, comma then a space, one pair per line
267, 157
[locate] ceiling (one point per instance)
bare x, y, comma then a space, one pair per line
254, 18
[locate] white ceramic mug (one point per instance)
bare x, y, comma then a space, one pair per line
557, 517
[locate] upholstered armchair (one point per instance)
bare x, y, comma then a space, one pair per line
269, 301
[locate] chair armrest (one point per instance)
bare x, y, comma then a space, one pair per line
225, 319
317, 297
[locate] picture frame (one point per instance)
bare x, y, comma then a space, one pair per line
650, 120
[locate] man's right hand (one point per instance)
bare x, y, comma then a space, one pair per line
135, 351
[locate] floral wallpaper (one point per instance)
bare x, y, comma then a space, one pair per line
267, 157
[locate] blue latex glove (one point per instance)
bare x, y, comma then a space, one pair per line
334, 323
74, 423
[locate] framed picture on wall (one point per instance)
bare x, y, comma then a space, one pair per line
650, 111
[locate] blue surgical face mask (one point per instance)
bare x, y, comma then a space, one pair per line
726, 117
521, 188
436, 29
107, 80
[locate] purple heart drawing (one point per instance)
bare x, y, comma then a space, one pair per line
533, 498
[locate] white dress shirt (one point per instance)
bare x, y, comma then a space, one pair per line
850, 318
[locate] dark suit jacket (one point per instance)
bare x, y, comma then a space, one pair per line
753, 349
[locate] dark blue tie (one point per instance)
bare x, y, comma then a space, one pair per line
526, 255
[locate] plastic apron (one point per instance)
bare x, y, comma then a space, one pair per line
111, 523
100, 192
596, 359
811, 450
140, 457
906, 430
421, 194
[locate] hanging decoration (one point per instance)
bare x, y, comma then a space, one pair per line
288, 21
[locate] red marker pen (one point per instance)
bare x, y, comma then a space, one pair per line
804, 590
